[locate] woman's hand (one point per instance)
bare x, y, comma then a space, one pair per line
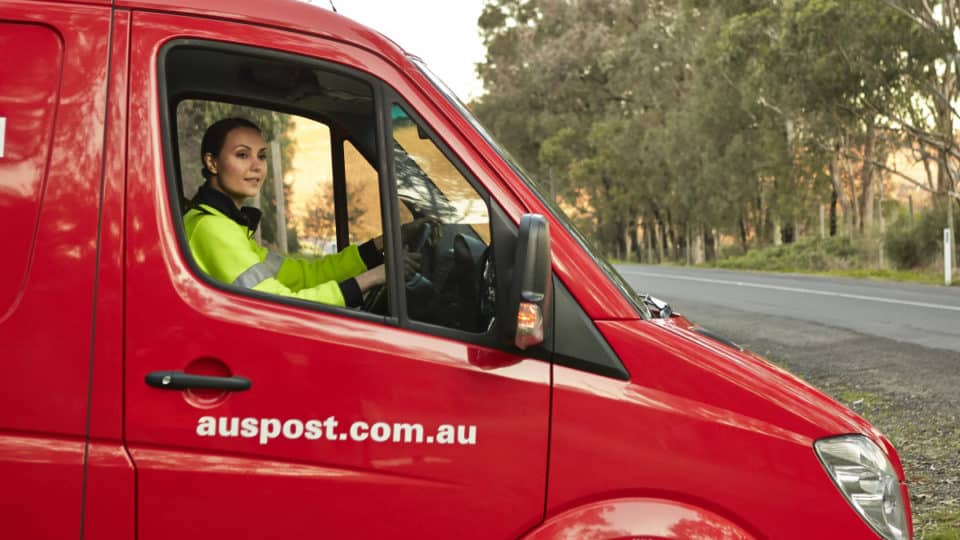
411, 264
409, 231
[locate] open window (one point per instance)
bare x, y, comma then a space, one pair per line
322, 190
329, 183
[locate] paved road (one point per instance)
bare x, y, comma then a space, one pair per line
925, 315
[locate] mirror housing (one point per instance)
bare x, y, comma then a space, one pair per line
530, 303
664, 311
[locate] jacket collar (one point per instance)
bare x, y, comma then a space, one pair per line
247, 216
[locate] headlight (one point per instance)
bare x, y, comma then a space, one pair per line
865, 477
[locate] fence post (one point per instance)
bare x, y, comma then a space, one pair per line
947, 256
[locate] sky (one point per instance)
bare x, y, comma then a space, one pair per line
441, 32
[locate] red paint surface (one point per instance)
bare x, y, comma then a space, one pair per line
702, 441
53, 94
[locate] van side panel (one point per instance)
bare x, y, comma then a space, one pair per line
52, 95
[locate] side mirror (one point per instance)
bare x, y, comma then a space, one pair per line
530, 304
663, 309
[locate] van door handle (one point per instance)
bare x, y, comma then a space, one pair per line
178, 380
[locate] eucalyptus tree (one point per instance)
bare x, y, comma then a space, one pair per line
832, 70
927, 120
557, 96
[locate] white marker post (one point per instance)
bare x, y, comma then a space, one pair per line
947, 270
3, 132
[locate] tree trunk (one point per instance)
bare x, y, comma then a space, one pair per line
840, 196
648, 241
853, 221
697, 248
761, 224
661, 239
743, 234
714, 245
867, 195
628, 243
710, 241
669, 242
833, 212
953, 242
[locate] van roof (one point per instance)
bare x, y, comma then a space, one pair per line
284, 14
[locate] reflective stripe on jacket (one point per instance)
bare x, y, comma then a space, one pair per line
223, 249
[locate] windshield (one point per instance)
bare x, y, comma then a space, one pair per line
608, 269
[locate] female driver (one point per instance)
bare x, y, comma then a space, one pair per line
220, 229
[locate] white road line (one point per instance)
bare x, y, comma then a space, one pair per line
794, 289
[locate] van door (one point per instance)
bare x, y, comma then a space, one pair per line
52, 110
357, 423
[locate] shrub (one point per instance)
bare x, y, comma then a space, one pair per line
903, 248
808, 254
916, 246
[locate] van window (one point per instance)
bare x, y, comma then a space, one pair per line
324, 190
28, 100
432, 187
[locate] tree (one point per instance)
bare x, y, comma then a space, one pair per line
696, 118
927, 124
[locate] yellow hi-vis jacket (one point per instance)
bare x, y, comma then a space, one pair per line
224, 249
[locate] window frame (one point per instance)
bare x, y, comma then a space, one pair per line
171, 159
490, 337
384, 97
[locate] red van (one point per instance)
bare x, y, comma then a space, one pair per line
515, 388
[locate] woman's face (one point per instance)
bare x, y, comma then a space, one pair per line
240, 168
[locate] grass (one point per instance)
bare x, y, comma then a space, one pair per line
946, 526
837, 257
912, 276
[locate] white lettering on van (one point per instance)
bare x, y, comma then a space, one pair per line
467, 434
445, 434
207, 426
268, 429
292, 429
314, 430
249, 428
407, 433
3, 133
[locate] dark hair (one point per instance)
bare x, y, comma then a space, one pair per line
216, 135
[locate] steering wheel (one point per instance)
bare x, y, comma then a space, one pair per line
421, 243
488, 288
375, 300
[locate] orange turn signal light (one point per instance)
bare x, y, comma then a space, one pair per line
529, 325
